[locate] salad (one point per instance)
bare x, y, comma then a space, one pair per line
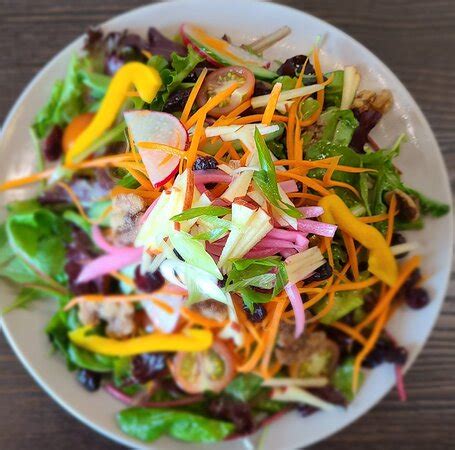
220, 233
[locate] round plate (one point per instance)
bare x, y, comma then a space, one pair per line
420, 160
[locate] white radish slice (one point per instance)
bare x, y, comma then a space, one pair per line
160, 128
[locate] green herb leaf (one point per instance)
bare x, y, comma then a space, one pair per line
148, 424
265, 178
88, 360
307, 108
244, 387
201, 211
334, 91
342, 378
344, 303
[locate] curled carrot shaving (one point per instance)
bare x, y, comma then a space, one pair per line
350, 286
310, 182
374, 219
172, 151
271, 104
223, 150
352, 254
192, 151
257, 118
18, 182
351, 332
123, 278
391, 218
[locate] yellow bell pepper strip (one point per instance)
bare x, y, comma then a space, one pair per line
381, 261
191, 340
147, 82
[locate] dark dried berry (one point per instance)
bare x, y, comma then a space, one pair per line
261, 88
321, 273
239, 413
205, 163
330, 395
367, 121
306, 410
379, 354
417, 298
52, 147
148, 366
90, 380
293, 66
169, 385
148, 281
396, 355
363, 265
258, 315
344, 342
176, 101
411, 282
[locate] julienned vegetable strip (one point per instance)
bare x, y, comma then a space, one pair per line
391, 218
193, 94
271, 105
378, 326
408, 267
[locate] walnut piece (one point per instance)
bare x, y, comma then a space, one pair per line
119, 317
211, 309
127, 209
379, 101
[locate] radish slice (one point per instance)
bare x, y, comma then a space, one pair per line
160, 128
165, 321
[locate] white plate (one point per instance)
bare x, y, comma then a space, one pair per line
421, 161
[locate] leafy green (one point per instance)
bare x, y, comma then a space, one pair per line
128, 181
344, 303
334, 91
97, 83
65, 102
173, 75
287, 82
88, 360
265, 178
339, 125
218, 228
122, 370
148, 424
277, 148
201, 211
307, 108
76, 219
429, 206
342, 378
244, 386
57, 331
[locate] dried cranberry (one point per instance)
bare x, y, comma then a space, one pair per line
417, 298
177, 100
379, 354
205, 163
239, 413
306, 410
321, 273
411, 282
344, 342
261, 88
90, 380
330, 395
396, 355
170, 386
148, 366
258, 315
148, 281
52, 147
292, 66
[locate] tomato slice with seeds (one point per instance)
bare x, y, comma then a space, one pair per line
212, 370
220, 80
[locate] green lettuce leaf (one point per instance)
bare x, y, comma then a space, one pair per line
342, 378
244, 386
201, 211
344, 303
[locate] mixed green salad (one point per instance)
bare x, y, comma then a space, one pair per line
220, 234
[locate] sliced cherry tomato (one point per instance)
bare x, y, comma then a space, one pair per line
219, 81
211, 370
75, 128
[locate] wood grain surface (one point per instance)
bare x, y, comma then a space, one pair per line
416, 39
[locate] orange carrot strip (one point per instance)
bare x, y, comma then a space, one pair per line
212, 103
257, 118
18, 182
374, 219
123, 278
199, 319
223, 149
310, 182
384, 301
271, 104
349, 286
192, 97
192, 151
371, 341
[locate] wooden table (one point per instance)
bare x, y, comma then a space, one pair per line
416, 40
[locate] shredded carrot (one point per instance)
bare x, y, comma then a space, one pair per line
219, 189
324, 311
270, 336
257, 118
320, 94
162, 305
123, 278
199, 319
237, 111
391, 219
18, 182
148, 195
253, 360
316, 298
192, 151
349, 286
212, 103
345, 186
119, 298
331, 169
233, 153
79, 206
223, 150
374, 219
154, 146
352, 254
310, 182
303, 195
384, 301
321, 163
351, 332
271, 104
192, 97
371, 341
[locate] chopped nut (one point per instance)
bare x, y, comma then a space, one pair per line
127, 209
211, 309
119, 317
408, 207
379, 101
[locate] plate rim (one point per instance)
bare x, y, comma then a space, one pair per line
126, 440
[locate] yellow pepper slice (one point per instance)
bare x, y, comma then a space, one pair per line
192, 340
147, 82
381, 261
